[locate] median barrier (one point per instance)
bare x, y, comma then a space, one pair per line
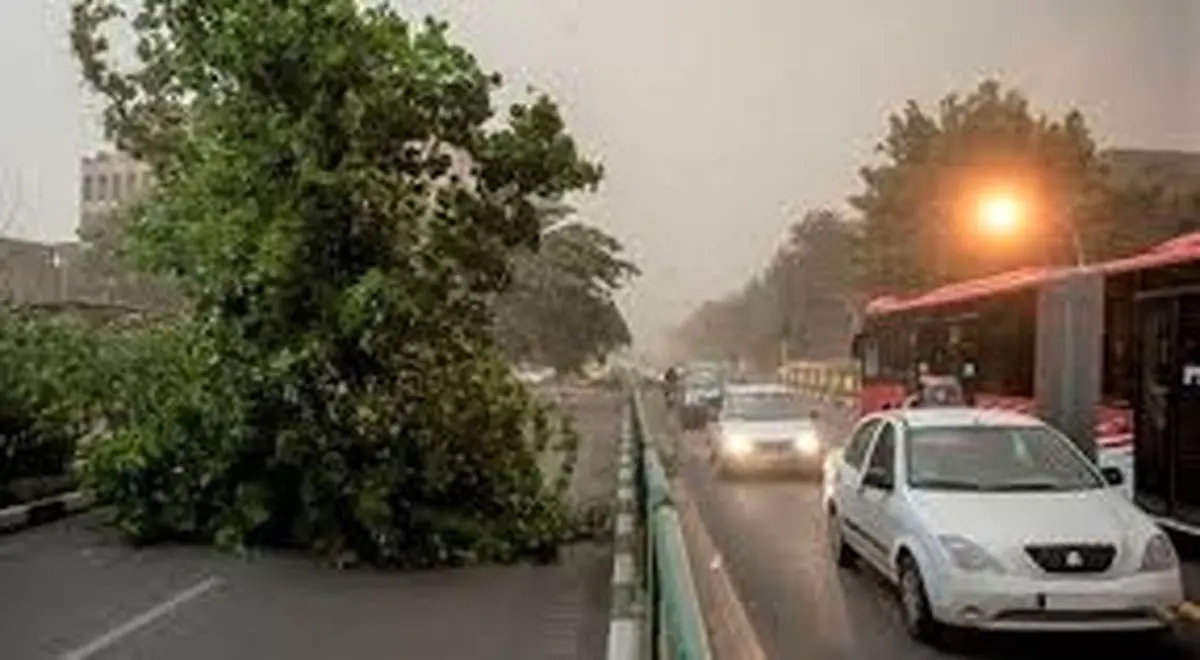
23, 516
661, 617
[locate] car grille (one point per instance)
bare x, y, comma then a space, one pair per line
1073, 558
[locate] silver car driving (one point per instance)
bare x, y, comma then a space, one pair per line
766, 427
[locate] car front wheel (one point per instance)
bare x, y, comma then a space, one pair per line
914, 603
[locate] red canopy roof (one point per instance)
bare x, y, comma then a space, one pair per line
1179, 250
1011, 281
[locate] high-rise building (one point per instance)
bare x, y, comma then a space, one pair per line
107, 179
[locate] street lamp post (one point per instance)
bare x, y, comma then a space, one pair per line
1003, 214
1076, 241
1068, 376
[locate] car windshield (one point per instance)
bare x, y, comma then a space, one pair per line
705, 380
994, 459
763, 407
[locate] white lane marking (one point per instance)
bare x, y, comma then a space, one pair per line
140, 621
624, 524
623, 640
623, 569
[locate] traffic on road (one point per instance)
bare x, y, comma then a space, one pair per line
829, 592
764, 427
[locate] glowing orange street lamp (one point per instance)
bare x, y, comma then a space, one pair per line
1001, 214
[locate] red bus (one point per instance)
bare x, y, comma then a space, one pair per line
1146, 360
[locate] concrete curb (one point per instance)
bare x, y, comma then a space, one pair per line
730, 631
23, 516
625, 620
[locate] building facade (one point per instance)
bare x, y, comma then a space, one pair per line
33, 272
1175, 171
107, 179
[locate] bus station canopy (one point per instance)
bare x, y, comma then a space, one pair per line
1183, 249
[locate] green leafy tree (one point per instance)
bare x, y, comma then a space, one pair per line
339, 206
559, 309
919, 205
797, 307
1150, 197
110, 275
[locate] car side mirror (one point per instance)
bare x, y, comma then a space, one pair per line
878, 478
1113, 476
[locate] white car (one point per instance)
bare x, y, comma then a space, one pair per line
765, 427
993, 520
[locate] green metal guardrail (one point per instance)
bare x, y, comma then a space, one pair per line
675, 624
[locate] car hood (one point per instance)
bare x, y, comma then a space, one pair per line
1004, 519
772, 430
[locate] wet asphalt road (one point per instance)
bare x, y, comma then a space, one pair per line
771, 534
72, 591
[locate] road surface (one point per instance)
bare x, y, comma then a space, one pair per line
72, 591
770, 534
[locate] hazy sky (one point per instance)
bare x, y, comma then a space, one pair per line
717, 121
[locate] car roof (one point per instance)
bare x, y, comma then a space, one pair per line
958, 416
759, 389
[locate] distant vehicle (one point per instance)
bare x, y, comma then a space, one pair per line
701, 397
670, 387
766, 427
993, 520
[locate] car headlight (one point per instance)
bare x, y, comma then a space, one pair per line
1160, 554
736, 445
807, 443
969, 556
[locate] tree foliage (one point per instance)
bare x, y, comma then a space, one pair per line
339, 206
799, 303
559, 309
1150, 197
45, 369
917, 219
919, 206
110, 275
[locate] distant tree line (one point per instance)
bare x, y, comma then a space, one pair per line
915, 222
559, 308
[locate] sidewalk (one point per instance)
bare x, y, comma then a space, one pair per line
79, 593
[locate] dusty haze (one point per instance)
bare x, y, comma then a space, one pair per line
717, 121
